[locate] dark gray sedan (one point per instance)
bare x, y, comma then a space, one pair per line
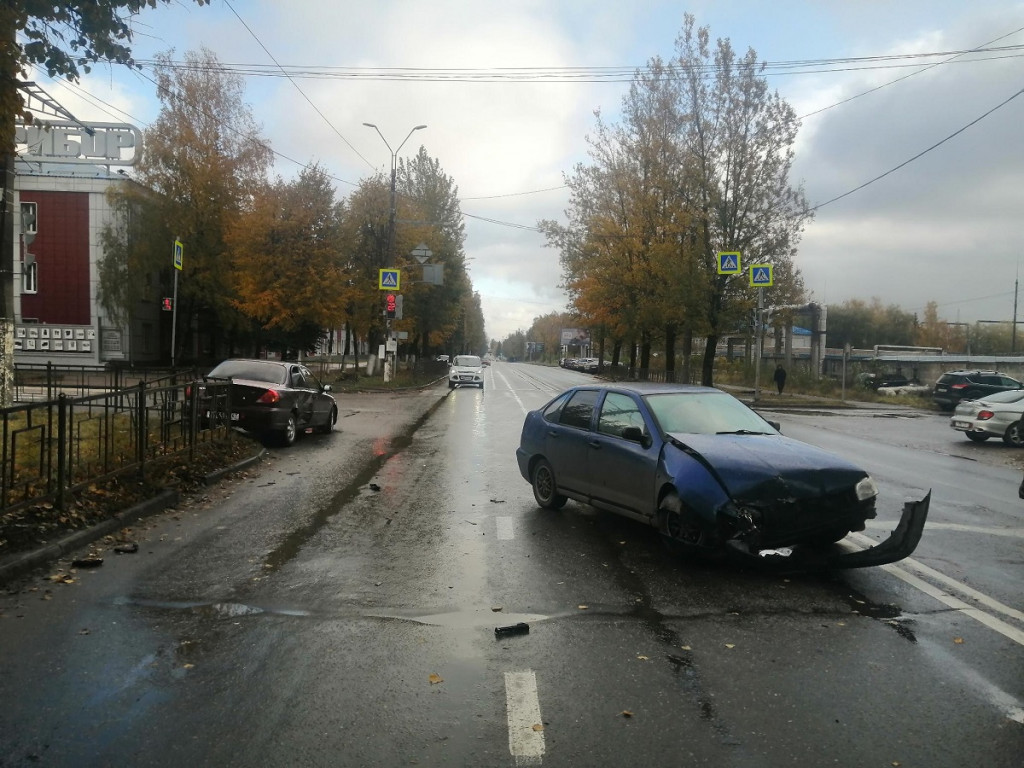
269, 398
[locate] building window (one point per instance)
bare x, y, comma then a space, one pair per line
30, 277
28, 218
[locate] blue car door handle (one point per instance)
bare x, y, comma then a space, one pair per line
594, 443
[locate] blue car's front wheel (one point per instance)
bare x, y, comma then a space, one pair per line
545, 490
683, 532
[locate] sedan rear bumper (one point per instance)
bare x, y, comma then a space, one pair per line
261, 419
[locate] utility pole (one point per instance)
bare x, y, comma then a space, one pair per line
389, 356
1013, 331
9, 98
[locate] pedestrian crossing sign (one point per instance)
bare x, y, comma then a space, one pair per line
389, 280
761, 276
729, 263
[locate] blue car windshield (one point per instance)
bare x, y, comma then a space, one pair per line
705, 413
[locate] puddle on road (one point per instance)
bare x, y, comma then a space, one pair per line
891, 615
479, 618
230, 610
469, 618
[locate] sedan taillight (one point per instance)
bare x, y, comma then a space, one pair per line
984, 415
269, 397
957, 386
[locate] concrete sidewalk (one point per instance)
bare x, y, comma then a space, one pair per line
768, 399
411, 406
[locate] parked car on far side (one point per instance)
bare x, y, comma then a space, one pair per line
879, 380
996, 415
954, 386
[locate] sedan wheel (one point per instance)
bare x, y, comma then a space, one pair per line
981, 437
544, 489
683, 532
288, 434
328, 426
1014, 435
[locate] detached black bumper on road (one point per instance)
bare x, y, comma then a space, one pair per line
901, 543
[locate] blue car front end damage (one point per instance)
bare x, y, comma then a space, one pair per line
769, 510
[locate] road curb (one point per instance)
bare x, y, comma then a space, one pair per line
22, 562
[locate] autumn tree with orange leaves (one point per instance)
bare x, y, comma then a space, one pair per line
205, 162
286, 262
698, 164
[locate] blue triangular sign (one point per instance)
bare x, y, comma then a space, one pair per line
389, 280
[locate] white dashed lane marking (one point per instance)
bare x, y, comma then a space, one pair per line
505, 530
525, 728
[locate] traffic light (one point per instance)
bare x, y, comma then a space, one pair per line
168, 304
399, 301
390, 306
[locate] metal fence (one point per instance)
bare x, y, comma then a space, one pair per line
34, 382
52, 448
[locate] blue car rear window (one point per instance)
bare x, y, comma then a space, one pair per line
578, 411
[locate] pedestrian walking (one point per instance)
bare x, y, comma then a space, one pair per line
779, 377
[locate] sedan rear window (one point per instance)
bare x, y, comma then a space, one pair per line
1010, 396
249, 369
577, 412
554, 409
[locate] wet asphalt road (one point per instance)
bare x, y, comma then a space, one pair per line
337, 607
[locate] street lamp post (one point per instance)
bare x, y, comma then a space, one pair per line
388, 355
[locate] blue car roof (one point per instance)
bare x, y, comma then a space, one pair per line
649, 387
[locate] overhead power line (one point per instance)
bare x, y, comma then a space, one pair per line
513, 225
292, 81
911, 74
611, 74
920, 154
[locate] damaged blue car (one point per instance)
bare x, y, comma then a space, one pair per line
707, 471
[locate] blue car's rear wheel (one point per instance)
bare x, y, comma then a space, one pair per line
545, 490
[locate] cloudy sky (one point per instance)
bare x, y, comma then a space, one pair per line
947, 227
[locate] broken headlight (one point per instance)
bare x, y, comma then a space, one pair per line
866, 489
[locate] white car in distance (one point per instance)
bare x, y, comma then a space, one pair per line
466, 369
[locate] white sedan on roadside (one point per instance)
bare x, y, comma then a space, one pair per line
995, 415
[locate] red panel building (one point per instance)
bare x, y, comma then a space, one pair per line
61, 250
58, 317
